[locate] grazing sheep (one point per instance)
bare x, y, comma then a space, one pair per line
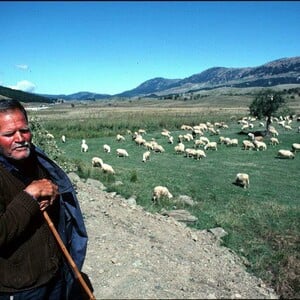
106, 148
248, 145
146, 156
142, 131
122, 153
84, 146
198, 143
106, 168
260, 145
158, 148
189, 152
97, 161
285, 154
199, 154
179, 148
295, 147
50, 136
274, 141
148, 145
120, 138
242, 179
160, 191
63, 138
211, 145
140, 141
170, 140
165, 133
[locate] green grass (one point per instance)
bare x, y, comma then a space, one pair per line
262, 222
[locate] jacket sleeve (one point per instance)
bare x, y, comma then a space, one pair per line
16, 216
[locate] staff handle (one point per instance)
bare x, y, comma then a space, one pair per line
68, 256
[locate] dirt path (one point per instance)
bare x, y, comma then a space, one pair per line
137, 255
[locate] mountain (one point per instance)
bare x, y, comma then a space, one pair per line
79, 96
281, 71
22, 96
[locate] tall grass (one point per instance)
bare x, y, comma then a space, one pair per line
262, 222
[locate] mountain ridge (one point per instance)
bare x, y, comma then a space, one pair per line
276, 72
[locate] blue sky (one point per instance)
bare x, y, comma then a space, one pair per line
57, 47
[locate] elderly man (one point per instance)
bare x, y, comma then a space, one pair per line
31, 263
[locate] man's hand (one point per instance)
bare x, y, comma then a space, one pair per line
44, 190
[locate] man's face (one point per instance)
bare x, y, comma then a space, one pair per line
15, 136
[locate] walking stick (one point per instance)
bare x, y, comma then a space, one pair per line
68, 256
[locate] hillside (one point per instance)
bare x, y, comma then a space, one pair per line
284, 71
22, 96
133, 254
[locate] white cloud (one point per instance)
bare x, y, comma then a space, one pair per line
23, 67
24, 85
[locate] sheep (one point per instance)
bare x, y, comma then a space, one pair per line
106, 148
170, 140
165, 133
122, 153
274, 141
97, 161
160, 191
189, 152
211, 145
199, 154
142, 131
84, 146
179, 148
158, 148
120, 138
148, 145
50, 136
295, 147
146, 156
260, 145
242, 179
106, 168
285, 154
63, 138
199, 143
232, 142
247, 145
140, 141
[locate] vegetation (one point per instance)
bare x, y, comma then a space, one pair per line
262, 222
23, 96
266, 104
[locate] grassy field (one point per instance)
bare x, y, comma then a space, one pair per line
262, 222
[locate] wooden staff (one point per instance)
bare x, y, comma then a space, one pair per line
68, 256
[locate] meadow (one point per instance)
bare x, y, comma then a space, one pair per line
262, 221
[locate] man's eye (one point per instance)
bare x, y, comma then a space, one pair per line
24, 130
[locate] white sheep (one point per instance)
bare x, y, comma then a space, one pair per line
199, 154
97, 161
260, 145
211, 145
63, 138
285, 154
106, 148
159, 192
84, 146
170, 140
274, 141
179, 148
295, 147
158, 148
247, 145
120, 138
106, 168
242, 179
146, 156
122, 153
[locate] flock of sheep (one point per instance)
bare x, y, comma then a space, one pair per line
200, 136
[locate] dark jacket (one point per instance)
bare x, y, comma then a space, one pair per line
20, 265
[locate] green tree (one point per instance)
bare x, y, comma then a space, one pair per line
265, 104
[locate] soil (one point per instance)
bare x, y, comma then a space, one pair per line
133, 254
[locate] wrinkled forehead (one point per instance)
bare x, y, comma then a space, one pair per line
12, 119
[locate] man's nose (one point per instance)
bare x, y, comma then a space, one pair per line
19, 136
